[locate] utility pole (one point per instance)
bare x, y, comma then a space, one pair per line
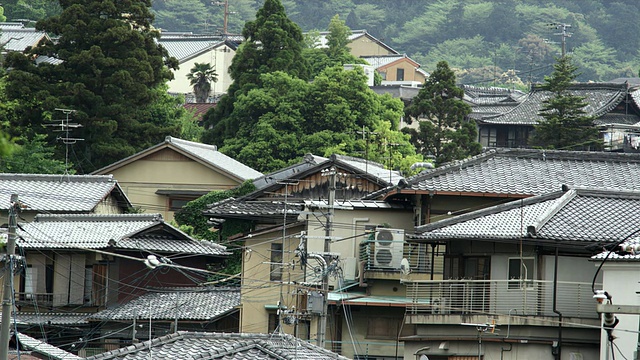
7, 296
225, 31
563, 35
322, 323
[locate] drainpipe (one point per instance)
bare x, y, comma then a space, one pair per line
558, 352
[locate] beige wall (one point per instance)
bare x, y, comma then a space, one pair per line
258, 292
166, 170
410, 71
364, 46
219, 57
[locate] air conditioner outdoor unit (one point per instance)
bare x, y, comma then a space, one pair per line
439, 306
388, 248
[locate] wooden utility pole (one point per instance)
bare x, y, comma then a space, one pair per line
563, 35
7, 296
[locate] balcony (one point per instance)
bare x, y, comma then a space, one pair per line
381, 260
499, 297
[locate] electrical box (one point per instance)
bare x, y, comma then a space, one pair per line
315, 302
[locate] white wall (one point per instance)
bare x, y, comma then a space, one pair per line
620, 280
220, 57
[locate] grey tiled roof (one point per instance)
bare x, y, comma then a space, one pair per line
621, 255
255, 206
199, 345
19, 39
252, 209
56, 193
601, 98
55, 318
207, 154
124, 231
45, 349
204, 304
382, 60
183, 48
530, 172
576, 215
484, 96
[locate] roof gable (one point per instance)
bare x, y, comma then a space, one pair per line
387, 61
207, 155
60, 193
147, 232
526, 172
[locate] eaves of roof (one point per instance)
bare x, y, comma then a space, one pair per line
170, 143
574, 217
400, 60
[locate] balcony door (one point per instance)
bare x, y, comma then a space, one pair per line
472, 292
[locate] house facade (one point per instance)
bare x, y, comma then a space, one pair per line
301, 239
74, 265
189, 49
164, 177
613, 105
518, 275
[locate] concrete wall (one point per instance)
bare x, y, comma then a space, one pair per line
620, 280
219, 57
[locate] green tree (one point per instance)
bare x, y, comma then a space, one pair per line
294, 117
200, 77
444, 131
272, 43
32, 157
566, 125
191, 217
111, 69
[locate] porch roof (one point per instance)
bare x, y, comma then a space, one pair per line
176, 303
576, 217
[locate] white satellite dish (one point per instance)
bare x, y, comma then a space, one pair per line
404, 266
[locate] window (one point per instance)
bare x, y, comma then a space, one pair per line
521, 272
383, 75
276, 262
488, 137
273, 323
399, 74
88, 283
176, 204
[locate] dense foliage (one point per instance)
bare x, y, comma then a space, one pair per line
113, 74
191, 220
566, 126
443, 131
273, 115
480, 39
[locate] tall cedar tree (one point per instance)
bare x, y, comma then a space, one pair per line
272, 43
566, 125
444, 132
111, 67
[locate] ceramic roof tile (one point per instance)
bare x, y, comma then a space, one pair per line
198, 345
69, 193
184, 47
576, 215
55, 318
43, 348
531, 172
204, 304
600, 98
122, 231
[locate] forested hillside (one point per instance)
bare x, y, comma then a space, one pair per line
481, 39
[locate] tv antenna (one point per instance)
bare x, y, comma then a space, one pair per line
65, 127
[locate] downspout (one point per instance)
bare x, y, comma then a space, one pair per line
558, 351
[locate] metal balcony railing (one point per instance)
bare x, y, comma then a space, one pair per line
529, 297
377, 257
47, 299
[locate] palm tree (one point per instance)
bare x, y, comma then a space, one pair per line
200, 78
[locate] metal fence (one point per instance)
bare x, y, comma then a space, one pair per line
533, 297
